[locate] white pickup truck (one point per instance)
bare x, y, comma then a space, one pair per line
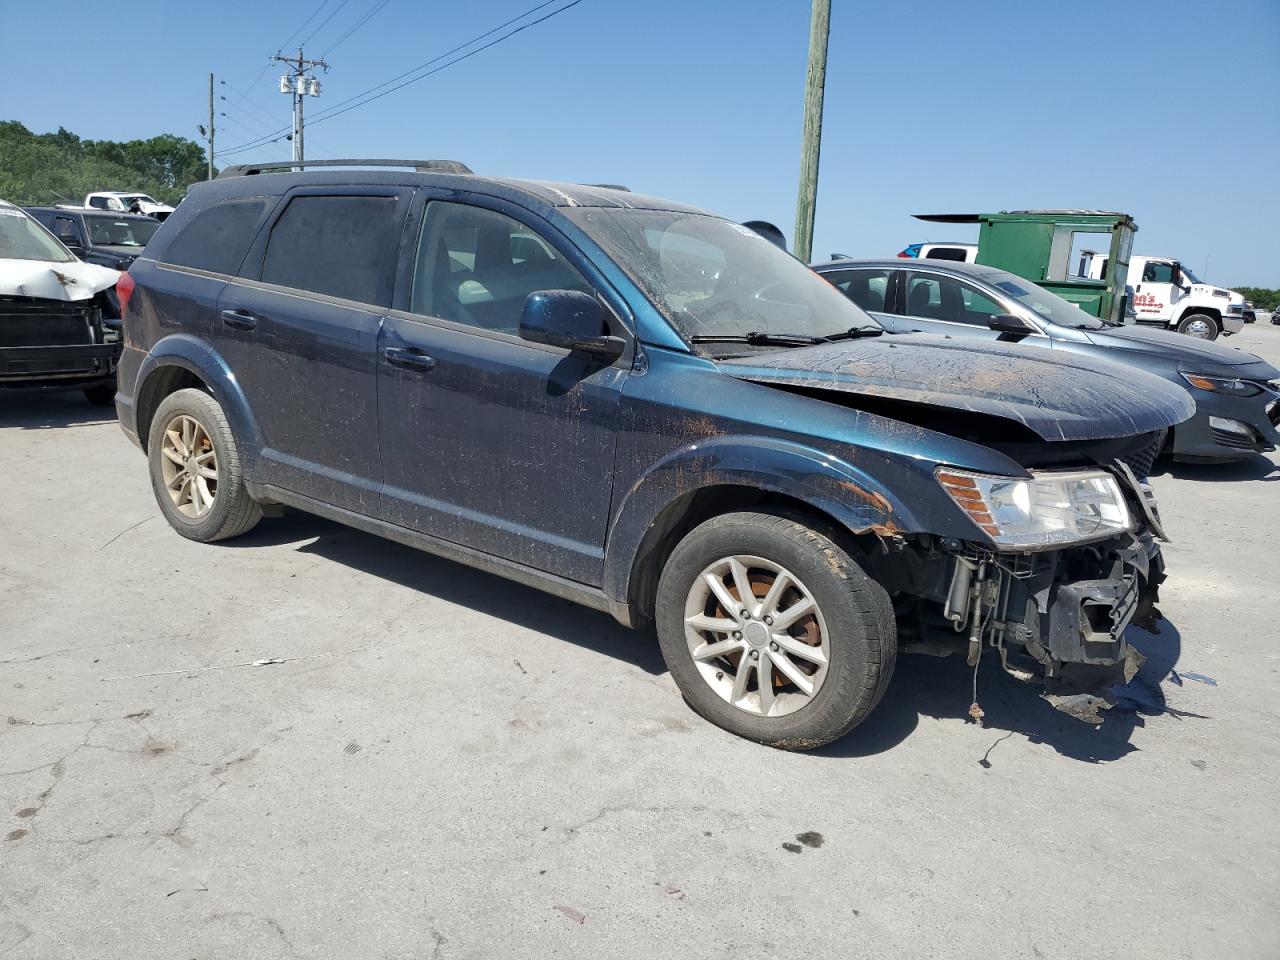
123, 201
1167, 293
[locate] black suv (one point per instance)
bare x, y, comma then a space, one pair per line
647, 409
107, 239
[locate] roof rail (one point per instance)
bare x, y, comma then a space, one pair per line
609, 186
422, 166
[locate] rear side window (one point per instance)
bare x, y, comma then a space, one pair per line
957, 254
336, 246
217, 239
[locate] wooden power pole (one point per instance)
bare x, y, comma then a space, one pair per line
815, 84
210, 176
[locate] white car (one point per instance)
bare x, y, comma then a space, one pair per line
59, 317
123, 201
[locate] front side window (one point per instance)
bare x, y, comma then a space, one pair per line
335, 246
477, 267
869, 289
935, 297
217, 238
22, 238
1157, 273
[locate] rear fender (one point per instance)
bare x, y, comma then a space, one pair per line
196, 356
835, 487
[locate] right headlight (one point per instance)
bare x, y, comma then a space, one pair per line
1049, 509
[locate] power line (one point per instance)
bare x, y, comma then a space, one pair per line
364, 98
336, 11
356, 26
532, 23
323, 4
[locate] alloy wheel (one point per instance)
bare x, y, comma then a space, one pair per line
189, 466
757, 635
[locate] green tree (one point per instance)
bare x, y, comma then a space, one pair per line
60, 167
1264, 298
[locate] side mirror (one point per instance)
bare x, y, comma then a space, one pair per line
568, 319
1009, 323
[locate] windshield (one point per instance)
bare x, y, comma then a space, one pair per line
1045, 304
111, 231
1189, 273
712, 278
22, 238
136, 196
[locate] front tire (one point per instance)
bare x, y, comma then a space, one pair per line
1199, 325
803, 660
195, 469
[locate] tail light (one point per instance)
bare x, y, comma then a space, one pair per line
124, 290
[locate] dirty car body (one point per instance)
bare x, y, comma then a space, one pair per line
990, 501
58, 320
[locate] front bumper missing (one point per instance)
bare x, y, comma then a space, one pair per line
20, 365
1060, 619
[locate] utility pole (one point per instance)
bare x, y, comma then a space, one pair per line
299, 82
815, 84
210, 176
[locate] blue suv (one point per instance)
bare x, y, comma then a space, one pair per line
652, 411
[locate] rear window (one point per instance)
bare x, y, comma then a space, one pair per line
217, 239
336, 246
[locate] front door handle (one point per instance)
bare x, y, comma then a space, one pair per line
410, 358
239, 319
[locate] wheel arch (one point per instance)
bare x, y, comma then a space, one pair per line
181, 361
727, 476
1208, 311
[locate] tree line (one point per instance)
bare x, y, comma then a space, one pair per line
49, 168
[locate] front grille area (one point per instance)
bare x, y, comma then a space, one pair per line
37, 322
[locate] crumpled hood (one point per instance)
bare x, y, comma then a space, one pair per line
1191, 354
1056, 395
73, 280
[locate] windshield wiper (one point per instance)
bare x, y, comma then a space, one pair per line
856, 333
760, 338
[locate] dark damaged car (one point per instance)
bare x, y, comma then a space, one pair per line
59, 319
651, 411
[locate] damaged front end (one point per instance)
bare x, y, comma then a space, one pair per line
1056, 616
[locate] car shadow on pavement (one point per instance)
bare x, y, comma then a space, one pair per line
922, 686
940, 688
1255, 468
44, 409
457, 583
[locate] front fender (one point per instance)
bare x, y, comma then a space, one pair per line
855, 499
199, 358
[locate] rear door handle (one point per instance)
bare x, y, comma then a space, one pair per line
410, 358
239, 319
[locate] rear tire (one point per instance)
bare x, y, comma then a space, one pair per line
195, 469
816, 677
103, 395
1199, 325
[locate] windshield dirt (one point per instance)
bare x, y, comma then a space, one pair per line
1045, 304
21, 238
114, 232
712, 278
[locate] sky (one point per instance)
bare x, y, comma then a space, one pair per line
1169, 111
